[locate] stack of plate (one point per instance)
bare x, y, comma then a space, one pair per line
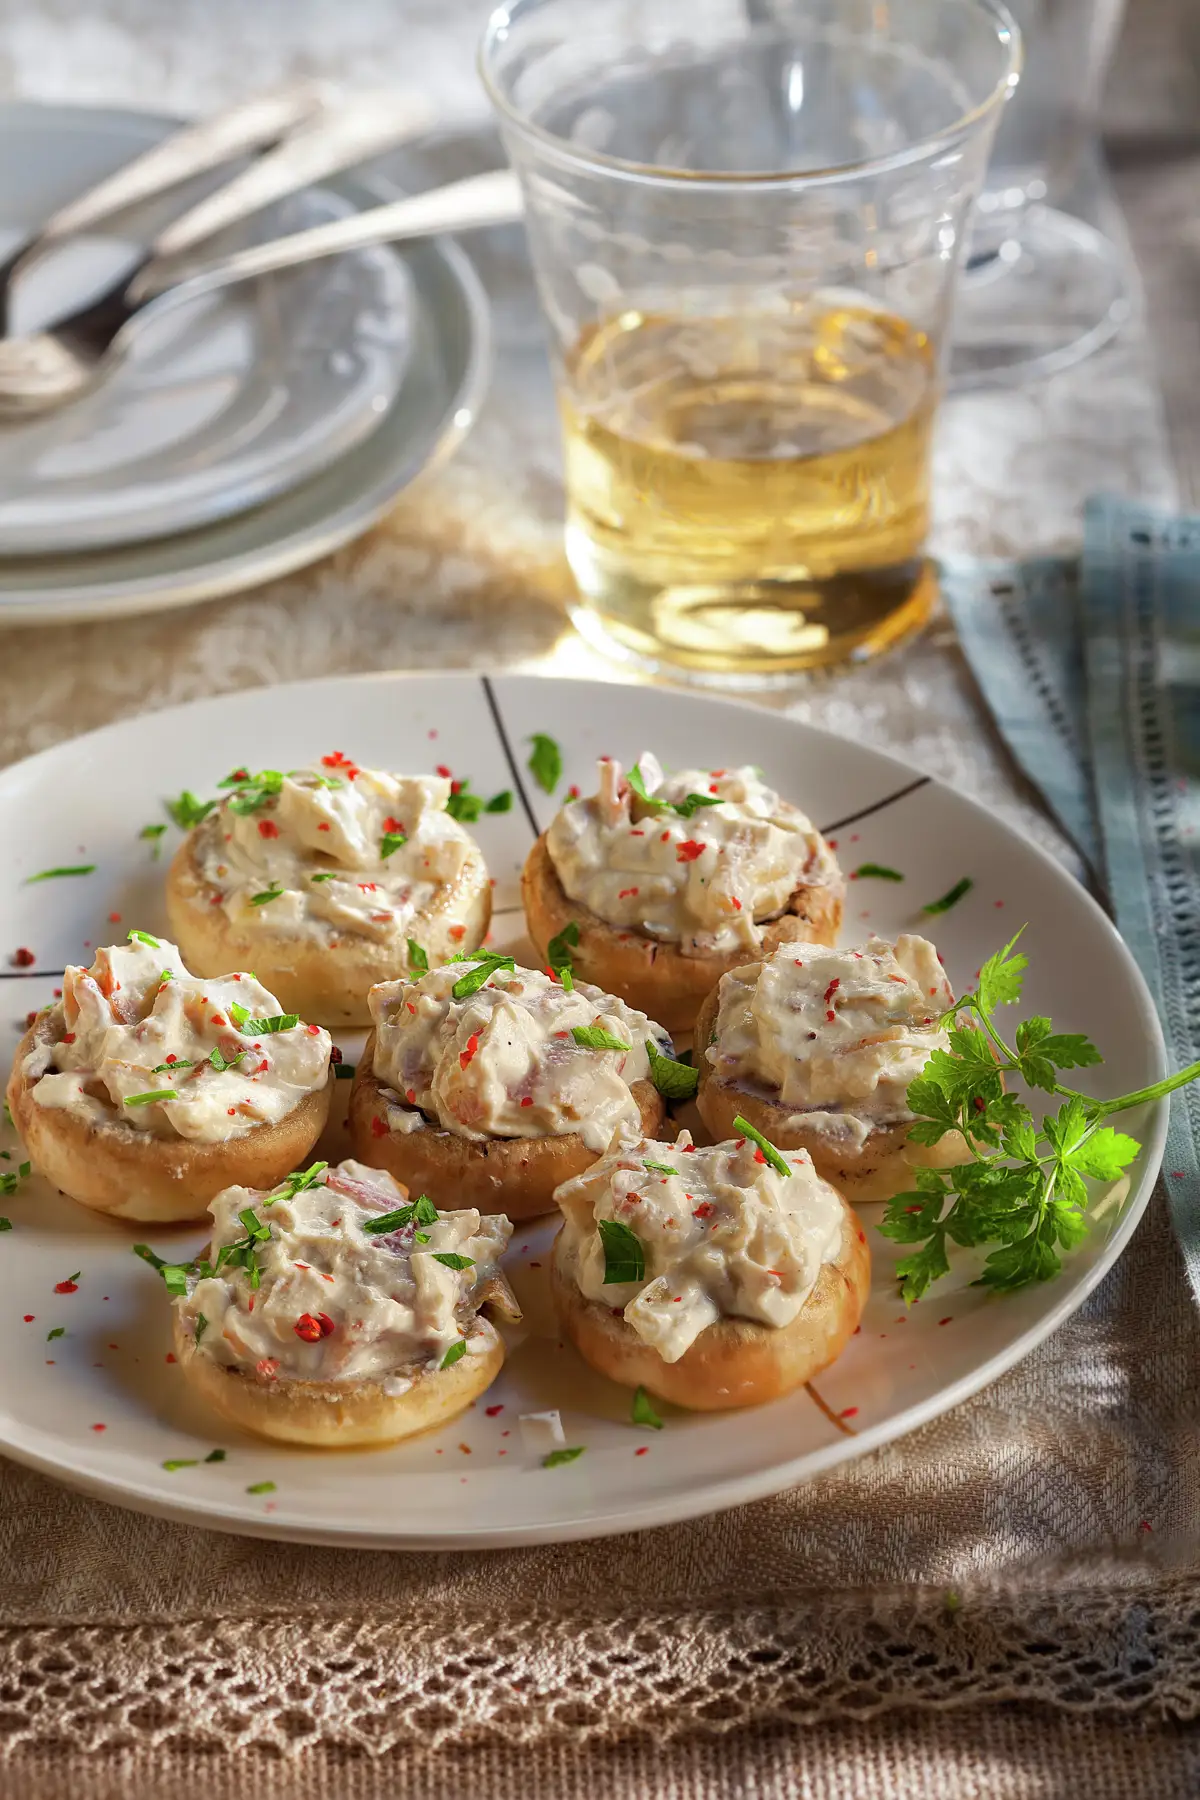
245, 435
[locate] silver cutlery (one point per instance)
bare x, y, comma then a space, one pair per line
192, 151
52, 367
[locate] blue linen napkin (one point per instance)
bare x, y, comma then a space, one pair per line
1092, 671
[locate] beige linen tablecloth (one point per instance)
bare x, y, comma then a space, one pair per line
867, 1635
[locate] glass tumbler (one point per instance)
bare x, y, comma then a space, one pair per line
745, 222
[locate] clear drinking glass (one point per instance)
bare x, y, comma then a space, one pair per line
745, 223
1042, 288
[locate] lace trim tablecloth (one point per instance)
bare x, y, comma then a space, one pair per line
1039, 1544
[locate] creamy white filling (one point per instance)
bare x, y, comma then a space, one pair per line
723, 1235
137, 1023
705, 882
320, 841
837, 1035
333, 1302
502, 1062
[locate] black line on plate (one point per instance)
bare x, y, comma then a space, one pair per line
853, 818
490, 696
29, 974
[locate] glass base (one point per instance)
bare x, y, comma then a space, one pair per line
1052, 295
753, 639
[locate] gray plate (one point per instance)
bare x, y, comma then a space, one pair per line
219, 405
436, 404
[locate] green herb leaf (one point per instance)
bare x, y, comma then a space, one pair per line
452, 1260
546, 763
418, 962
391, 840
642, 1411
556, 1458
325, 875
876, 871
637, 782
344, 1071
660, 1168
500, 803
170, 1068
220, 1062
489, 963
952, 898
187, 811
5, 1224
149, 1099
179, 1462
454, 1354
768, 1149
927, 1264
624, 1258
674, 1080
213, 1455
152, 832
59, 1331
175, 1276
274, 892
594, 1037
143, 937
296, 1184
201, 1328
249, 1027
261, 1487
53, 874
558, 950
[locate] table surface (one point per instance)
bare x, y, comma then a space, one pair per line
467, 571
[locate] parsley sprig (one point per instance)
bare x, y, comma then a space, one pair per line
1024, 1188
655, 803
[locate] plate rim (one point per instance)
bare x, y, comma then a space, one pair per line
84, 601
677, 1507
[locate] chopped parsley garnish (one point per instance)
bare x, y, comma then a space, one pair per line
545, 762
59, 1331
452, 1260
213, 1455
187, 811
11, 1179
642, 1411
768, 1149
262, 1027
566, 979
467, 807
220, 1062
624, 1258
417, 959
251, 792
952, 898
877, 872
53, 874
325, 875
151, 834
174, 1274
558, 950
594, 1037
166, 976
169, 1068
150, 1098
274, 892
556, 1458
685, 807
391, 840
143, 937
261, 1487
660, 1168
201, 1328
344, 1071
422, 1211
674, 1080
1024, 1187
5, 1224
454, 1354
179, 1462
490, 963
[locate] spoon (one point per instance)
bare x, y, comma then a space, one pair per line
191, 151
53, 367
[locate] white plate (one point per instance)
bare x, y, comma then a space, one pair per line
473, 1483
220, 405
439, 396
